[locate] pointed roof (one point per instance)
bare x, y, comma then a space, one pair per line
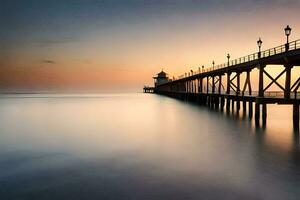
162, 74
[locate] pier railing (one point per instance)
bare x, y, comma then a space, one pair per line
235, 64
255, 56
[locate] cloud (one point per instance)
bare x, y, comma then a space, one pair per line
54, 41
52, 62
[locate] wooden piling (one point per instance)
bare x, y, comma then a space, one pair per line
257, 114
250, 110
222, 103
228, 105
264, 115
238, 105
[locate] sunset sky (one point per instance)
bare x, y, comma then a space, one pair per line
118, 45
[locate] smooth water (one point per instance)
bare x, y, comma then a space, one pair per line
141, 146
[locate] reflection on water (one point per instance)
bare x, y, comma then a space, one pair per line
137, 146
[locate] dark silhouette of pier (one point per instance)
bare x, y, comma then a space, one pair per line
148, 89
220, 86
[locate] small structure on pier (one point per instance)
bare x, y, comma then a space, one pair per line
148, 89
161, 78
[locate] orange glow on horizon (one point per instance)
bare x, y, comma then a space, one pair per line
130, 56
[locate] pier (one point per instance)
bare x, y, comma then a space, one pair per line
221, 87
148, 89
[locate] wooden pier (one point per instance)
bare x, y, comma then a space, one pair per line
148, 89
220, 87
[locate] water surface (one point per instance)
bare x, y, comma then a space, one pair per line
141, 146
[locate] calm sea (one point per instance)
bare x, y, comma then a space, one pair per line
142, 147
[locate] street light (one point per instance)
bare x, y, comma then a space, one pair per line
259, 43
213, 64
228, 57
287, 31
202, 68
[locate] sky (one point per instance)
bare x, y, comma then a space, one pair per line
119, 45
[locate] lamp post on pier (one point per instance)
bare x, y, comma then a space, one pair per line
287, 31
259, 43
213, 65
228, 57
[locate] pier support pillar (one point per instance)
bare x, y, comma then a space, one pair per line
213, 84
204, 100
200, 99
220, 84
217, 103
232, 106
213, 103
238, 105
228, 105
264, 115
250, 110
238, 85
257, 114
296, 117
209, 101
287, 92
200, 85
228, 83
244, 107
261, 81
222, 103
